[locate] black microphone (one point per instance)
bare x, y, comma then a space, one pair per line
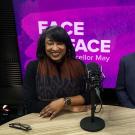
94, 79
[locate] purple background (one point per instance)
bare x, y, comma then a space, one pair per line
109, 20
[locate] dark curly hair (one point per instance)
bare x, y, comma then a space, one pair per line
58, 34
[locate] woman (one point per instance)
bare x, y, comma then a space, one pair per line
56, 81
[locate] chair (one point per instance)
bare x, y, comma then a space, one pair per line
11, 88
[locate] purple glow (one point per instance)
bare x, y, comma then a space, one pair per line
112, 22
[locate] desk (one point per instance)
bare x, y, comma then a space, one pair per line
119, 121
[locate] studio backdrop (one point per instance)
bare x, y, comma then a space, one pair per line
101, 31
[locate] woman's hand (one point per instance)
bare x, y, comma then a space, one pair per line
52, 109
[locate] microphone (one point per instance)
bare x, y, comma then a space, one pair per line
94, 79
94, 76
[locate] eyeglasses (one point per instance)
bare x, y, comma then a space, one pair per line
21, 126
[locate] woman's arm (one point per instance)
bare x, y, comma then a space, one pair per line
32, 104
77, 103
52, 109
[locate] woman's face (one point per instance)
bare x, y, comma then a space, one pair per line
55, 50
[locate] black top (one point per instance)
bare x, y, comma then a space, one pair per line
58, 89
126, 81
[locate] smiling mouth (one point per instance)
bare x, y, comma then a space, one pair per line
55, 54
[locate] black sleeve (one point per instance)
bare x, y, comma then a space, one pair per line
121, 87
32, 104
84, 90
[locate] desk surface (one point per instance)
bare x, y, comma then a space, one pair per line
118, 120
